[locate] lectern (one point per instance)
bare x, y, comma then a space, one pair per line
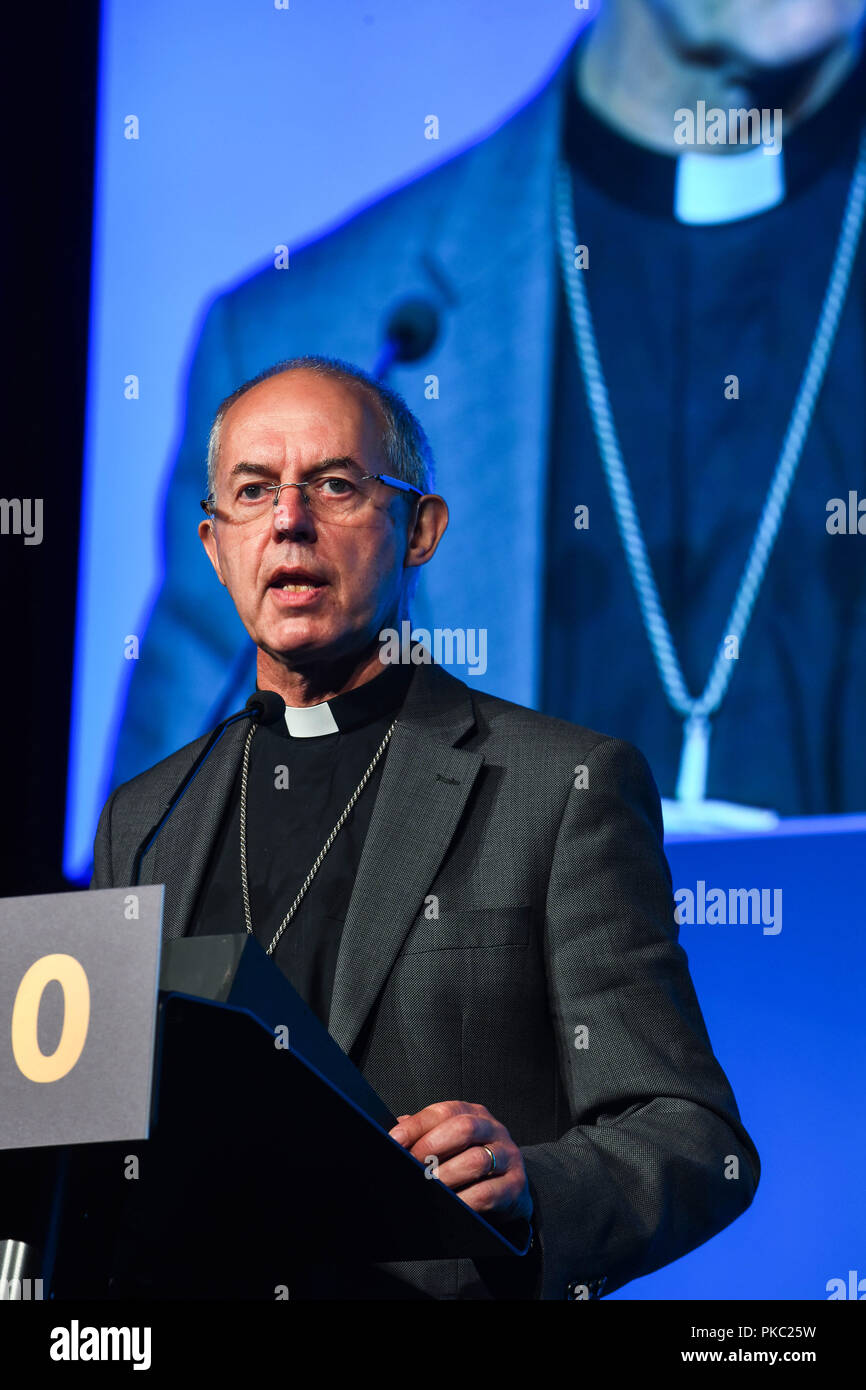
268, 1171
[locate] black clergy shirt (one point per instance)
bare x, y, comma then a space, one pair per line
297, 790
677, 307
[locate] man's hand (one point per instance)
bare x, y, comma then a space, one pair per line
454, 1132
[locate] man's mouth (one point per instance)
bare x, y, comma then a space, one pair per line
297, 584
296, 579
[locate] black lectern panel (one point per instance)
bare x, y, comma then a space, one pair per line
260, 1172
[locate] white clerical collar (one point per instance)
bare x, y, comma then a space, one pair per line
713, 188
311, 722
353, 709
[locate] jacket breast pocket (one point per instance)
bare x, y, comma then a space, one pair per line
471, 928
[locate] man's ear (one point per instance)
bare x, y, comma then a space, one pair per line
208, 540
431, 519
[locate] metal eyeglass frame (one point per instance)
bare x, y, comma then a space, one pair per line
207, 503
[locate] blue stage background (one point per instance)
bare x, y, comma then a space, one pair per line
786, 1015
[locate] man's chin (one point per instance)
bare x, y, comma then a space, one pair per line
298, 649
302, 642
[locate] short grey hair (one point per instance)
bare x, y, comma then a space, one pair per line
405, 446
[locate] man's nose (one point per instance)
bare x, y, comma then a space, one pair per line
292, 513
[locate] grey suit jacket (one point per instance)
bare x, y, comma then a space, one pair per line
550, 987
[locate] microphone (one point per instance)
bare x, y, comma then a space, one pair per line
410, 333
269, 706
266, 706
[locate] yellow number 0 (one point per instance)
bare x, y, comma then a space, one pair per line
69, 974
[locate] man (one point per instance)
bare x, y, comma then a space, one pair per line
706, 268
489, 934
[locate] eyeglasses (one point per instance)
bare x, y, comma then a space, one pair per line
333, 497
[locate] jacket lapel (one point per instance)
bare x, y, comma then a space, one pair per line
180, 854
424, 787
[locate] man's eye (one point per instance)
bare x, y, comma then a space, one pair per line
251, 492
335, 487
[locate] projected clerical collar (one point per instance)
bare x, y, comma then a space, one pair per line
700, 187
351, 710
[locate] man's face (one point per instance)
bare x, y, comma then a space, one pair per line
763, 33
349, 574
